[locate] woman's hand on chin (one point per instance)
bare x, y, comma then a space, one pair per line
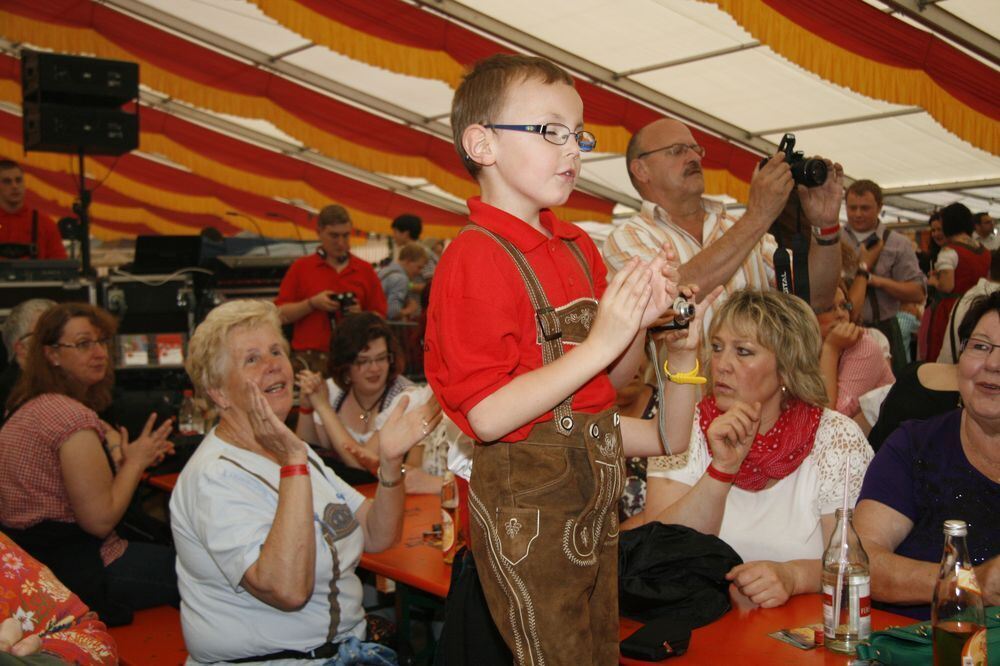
270, 432
731, 435
404, 429
767, 584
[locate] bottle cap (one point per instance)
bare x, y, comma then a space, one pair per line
955, 528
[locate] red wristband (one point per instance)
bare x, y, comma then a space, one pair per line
719, 475
305, 410
294, 470
826, 231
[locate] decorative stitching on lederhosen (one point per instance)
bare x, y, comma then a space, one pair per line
547, 318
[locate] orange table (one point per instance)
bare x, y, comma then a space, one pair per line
413, 561
163, 481
742, 637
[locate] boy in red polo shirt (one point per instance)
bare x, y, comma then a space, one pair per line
524, 360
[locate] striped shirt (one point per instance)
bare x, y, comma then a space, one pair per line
644, 234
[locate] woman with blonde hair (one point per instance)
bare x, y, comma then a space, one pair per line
267, 536
767, 460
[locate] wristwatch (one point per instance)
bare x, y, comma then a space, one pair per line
862, 271
391, 484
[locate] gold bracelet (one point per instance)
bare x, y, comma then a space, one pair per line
391, 484
689, 377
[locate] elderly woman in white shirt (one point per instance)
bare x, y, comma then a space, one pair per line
766, 461
267, 536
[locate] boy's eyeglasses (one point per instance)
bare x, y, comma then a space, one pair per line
676, 150
554, 133
83, 345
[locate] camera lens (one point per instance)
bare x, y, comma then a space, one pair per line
811, 172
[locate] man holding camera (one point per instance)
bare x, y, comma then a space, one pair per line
319, 289
714, 248
888, 263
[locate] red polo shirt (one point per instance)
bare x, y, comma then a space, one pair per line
310, 275
16, 228
481, 331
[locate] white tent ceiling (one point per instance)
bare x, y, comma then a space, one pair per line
685, 58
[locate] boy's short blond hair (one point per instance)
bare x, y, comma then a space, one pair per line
483, 92
413, 252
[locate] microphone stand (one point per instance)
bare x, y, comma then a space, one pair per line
256, 225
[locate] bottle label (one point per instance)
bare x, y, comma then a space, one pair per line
855, 610
967, 581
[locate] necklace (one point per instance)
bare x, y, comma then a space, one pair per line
366, 412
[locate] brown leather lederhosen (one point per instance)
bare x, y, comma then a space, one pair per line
544, 521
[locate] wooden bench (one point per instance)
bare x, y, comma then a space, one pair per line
153, 639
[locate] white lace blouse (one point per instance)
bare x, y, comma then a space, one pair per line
782, 523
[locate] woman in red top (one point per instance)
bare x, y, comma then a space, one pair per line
960, 264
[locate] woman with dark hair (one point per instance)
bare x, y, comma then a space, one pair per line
66, 481
959, 266
929, 471
365, 383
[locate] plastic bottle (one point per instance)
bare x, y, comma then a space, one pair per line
957, 610
854, 624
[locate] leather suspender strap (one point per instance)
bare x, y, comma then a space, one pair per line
546, 317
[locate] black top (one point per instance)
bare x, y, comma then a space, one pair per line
909, 399
8, 378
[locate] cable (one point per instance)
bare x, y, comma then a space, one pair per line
168, 278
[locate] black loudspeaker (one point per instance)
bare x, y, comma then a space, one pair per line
64, 79
61, 128
75, 105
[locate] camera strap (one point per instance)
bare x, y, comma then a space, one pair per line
791, 259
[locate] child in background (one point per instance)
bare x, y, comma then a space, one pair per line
524, 359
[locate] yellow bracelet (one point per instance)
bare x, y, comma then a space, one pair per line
689, 377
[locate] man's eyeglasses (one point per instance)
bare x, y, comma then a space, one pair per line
554, 133
977, 348
374, 360
676, 150
83, 345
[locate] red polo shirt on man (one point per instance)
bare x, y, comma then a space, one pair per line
16, 228
310, 275
481, 330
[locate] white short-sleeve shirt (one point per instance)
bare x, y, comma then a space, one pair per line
221, 512
782, 523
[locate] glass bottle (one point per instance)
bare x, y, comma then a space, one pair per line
957, 610
186, 417
850, 622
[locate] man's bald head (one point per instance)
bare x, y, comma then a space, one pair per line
645, 164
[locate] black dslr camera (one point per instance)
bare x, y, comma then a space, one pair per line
346, 299
809, 172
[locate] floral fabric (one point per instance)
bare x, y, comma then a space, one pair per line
44, 606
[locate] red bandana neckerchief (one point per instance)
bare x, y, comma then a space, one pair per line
778, 452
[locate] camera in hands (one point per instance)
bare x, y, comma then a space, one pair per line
810, 172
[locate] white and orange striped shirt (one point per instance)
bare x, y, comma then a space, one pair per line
644, 234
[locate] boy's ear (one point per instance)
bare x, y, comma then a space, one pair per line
477, 141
